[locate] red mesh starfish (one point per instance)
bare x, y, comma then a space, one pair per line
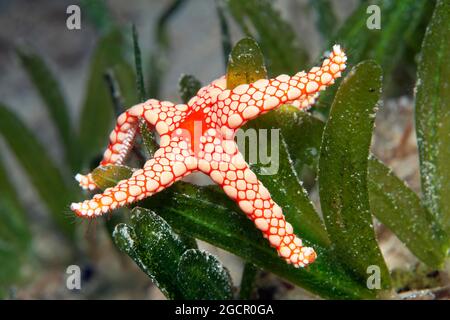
199, 136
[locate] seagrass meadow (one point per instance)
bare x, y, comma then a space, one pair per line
342, 188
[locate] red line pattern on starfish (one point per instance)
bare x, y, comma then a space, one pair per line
199, 136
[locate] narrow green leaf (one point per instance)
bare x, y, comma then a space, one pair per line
248, 281
138, 66
188, 87
98, 113
155, 248
42, 172
202, 277
343, 171
208, 214
433, 115
12, 214
275, 35
15, 237
245, 64
399, 208
50, 91
109, 176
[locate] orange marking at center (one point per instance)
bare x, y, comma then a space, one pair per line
193, 128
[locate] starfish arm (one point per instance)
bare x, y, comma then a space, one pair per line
167, 167
248, 101
161, 114
208, 94
241, 184
165, 116
304, 103
120, 143
121, 138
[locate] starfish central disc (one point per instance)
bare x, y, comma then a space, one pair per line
192, 129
